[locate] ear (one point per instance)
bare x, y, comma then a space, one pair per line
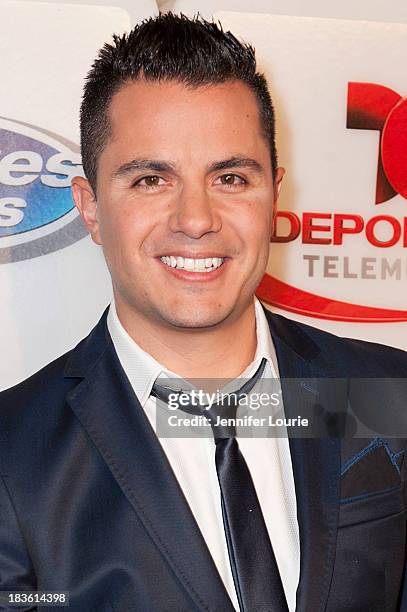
278, 180
280, 172
86, 203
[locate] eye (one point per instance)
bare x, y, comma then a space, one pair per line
230, 180
149, 182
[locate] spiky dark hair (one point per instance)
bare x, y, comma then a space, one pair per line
194, 52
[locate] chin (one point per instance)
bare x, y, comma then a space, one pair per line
198, 319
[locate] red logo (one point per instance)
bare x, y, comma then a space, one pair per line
370, 107
375, 107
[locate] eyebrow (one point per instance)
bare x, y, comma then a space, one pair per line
143, 164
155, 165
237, 162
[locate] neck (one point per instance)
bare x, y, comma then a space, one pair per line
222, 351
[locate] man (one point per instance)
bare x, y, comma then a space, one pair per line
177, 134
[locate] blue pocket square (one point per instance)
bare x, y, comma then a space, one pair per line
374, 469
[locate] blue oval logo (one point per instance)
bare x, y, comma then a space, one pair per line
36, 168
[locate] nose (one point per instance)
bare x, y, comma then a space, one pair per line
195, 213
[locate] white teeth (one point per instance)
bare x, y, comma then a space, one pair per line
189, 264
207, 264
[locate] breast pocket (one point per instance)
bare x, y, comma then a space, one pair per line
377, 506
370, 553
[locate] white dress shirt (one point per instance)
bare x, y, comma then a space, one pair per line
268, 459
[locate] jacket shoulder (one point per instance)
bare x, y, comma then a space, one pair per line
46, 385
348, 356
52, 382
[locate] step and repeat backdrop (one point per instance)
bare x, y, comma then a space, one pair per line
338, 259
53, 280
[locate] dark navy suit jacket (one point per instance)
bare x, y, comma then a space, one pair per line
90, 505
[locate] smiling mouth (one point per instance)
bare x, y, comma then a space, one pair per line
189, 264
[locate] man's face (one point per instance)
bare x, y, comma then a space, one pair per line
184, 202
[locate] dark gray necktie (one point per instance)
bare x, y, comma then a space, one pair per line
254, 567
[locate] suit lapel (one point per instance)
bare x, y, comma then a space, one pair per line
107, 408
315, 462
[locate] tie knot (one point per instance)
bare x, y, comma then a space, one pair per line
220, 414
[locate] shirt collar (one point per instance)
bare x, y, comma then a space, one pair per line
142, 369
265, 347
